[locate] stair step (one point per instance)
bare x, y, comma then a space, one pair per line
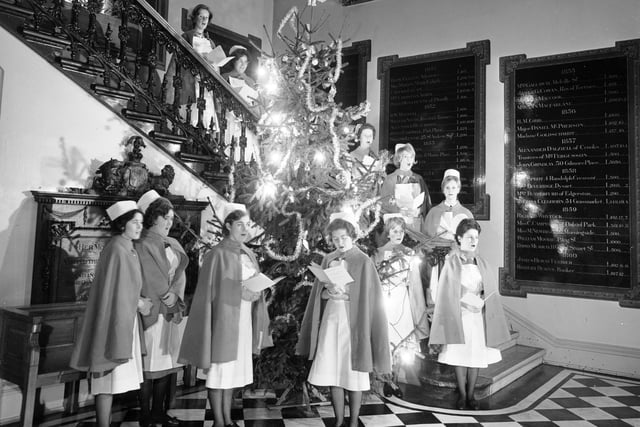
195, 158
141, 116
80, 66
112, 92
516, 361
12, 9
57, 41
168, 137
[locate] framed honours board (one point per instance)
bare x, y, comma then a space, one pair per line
570, 174
436, 102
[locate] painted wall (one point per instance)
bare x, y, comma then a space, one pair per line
605, 333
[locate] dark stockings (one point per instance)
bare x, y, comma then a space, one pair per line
156, 388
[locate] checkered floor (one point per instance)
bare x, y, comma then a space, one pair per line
569, 398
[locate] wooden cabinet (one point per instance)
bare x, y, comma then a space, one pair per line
37, 342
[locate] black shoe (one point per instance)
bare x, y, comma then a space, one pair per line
473, 404
166, 420
145, 420
233, 424
398, 393
387, 390
462, 403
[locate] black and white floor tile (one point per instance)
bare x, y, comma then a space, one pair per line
569, 398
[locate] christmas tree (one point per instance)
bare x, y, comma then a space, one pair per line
301, 175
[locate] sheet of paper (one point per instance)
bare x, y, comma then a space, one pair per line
217, 57
337, 275
235, 82
408, 196
248, 94
368, 161
245, 91
319, 272
260, 282
418, 201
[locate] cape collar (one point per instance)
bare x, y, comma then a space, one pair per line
448, 206
153, 235
232, 244
465, 259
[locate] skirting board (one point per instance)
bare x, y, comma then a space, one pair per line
594, 357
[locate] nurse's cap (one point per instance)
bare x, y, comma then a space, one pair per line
232, 207
236, 48
146, 199
347, 216
451, 172
386, 217
118, 209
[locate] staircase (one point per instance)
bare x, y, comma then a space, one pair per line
118, 65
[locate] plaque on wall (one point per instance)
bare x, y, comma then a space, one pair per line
436, 102
570, 174
72, 229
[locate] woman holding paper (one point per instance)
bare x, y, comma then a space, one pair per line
238, 67
227, 322
199, 39
441, 222
468, 321
399, 270
344, 329
404, 191
163, 262
109, 344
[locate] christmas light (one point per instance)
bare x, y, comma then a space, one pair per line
277, 118
271, 87
406, 355
319, 157
262, 71
267, 188
275, 157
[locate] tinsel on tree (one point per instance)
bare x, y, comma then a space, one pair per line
301, 175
